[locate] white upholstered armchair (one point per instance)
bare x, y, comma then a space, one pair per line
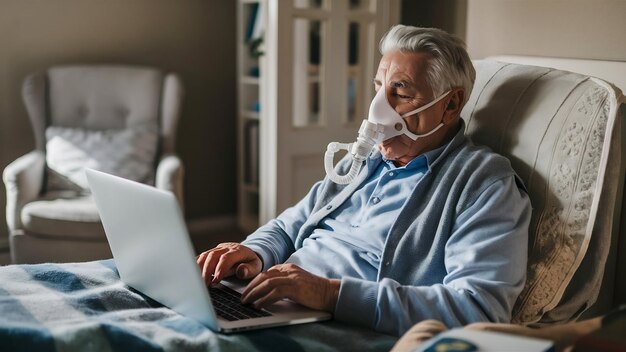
564, 135
118, 119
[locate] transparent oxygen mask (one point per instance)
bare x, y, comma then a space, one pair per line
382, 123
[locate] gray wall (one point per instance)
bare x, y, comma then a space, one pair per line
586, 29
192, 37
449, 15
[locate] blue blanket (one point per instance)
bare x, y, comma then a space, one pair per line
85, 307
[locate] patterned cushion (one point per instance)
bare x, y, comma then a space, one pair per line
559, 131
127, 153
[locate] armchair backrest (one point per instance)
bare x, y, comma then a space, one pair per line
103, 97
117, 118
562, 132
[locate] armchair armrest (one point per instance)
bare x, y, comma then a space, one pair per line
23, 179
169, 177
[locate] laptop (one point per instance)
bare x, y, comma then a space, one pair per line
154, 255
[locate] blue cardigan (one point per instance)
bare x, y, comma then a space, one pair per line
431, 268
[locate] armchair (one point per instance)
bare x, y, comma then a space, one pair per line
564, 135
118, 119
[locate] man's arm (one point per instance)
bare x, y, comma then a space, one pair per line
274, 241
485, 259
269, 245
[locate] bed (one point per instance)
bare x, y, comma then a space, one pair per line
85, 306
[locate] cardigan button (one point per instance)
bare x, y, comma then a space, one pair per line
329, 207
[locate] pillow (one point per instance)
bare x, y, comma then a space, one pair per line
128, 153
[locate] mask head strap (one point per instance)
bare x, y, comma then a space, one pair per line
422, 108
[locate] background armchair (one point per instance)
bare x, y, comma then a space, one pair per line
118, 119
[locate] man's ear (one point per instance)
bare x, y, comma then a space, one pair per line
455, 105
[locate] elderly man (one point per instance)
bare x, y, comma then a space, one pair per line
432, 228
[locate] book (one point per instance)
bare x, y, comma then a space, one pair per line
254, 27
254, 9
467, 340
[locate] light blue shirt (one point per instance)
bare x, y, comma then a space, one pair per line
350, 241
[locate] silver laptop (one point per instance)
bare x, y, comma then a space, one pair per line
154, 255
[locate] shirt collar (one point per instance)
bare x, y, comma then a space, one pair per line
417, 162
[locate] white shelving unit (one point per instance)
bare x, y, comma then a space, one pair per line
311, 86
249, 103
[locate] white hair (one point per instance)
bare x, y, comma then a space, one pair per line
450, 66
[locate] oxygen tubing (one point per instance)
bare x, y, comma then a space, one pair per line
332, 148
369, 135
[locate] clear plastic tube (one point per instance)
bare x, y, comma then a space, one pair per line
369, 135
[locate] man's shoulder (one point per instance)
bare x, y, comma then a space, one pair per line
480, 156
472, 169
476, 166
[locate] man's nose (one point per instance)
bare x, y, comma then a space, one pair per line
390, 97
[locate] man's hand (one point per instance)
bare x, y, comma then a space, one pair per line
227, 259
292, 282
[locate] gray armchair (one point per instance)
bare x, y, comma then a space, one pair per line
118, 119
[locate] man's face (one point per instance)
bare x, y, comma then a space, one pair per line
403, 76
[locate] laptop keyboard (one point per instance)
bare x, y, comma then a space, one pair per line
227, 304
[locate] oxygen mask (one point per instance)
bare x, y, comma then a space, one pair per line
382, 123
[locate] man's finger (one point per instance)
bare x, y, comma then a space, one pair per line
273, 296
226, 265
247, 270
256, 281
207, 272
263, 288
200, 259
210, 263
276, 270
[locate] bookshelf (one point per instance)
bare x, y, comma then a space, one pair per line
304, 71
249, 29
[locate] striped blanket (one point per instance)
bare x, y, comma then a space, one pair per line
85, 307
